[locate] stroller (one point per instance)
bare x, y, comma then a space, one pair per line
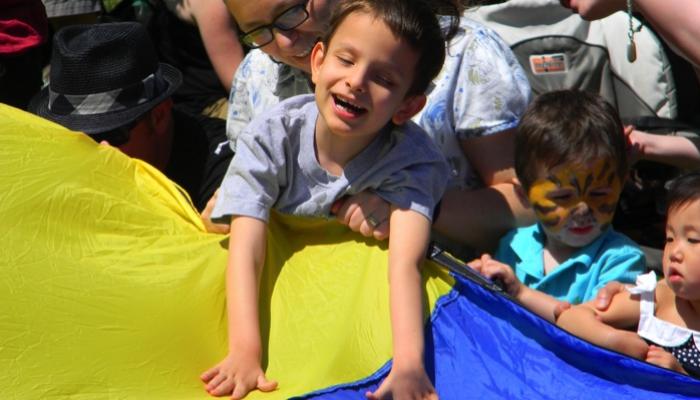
657, 93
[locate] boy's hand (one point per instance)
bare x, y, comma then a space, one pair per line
236, 375
405, 384
658, 356
496, 270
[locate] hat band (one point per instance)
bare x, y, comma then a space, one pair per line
109, 101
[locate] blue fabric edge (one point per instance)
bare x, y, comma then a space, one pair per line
463, 284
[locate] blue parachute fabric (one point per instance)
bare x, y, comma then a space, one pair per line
482, 345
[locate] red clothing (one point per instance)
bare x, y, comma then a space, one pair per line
23, 26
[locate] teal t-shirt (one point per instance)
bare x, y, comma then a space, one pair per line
611, 257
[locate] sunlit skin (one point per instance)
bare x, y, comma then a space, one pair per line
681, 263
576, 202
290, 47
362, 79
677, 297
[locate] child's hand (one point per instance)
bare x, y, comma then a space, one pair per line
496, 270
237, 375
405, 384
658, 356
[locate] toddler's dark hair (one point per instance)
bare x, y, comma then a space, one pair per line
683, 190
567, 126
416, 22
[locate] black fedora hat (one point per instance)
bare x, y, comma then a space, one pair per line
103, 76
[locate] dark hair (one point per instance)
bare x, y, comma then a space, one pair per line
567, 126
416, 22
683, 190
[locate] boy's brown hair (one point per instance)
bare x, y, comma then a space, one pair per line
567, 126
414, 21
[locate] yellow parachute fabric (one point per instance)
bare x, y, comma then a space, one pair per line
111, 289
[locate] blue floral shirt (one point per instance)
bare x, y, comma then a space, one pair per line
481, 90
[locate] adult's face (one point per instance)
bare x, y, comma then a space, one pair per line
292, 47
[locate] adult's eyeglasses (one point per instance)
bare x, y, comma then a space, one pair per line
285, 21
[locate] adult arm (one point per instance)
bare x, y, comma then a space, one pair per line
678, 151
674, 20
677, 22
220, 37
407, 248
479, 217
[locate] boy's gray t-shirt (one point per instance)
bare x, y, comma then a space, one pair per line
275, 166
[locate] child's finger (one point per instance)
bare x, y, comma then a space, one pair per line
215, 382
380, 393
372, 395
265, 385
224, 388
240, 391
475, 264
207, 375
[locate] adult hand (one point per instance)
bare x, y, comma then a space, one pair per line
635, 144
206, 218
364, 212
605, 295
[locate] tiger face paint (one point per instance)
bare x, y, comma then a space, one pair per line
576, 202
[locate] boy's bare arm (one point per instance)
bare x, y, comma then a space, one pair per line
245, 261
240, 372
407, 248
538, 302
612, 328
541, 303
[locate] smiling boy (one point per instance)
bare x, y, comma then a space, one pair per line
370, 73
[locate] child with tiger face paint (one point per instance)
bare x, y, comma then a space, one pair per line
571, 163
575, 202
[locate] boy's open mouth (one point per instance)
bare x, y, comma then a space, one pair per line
348, 107
581, 230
